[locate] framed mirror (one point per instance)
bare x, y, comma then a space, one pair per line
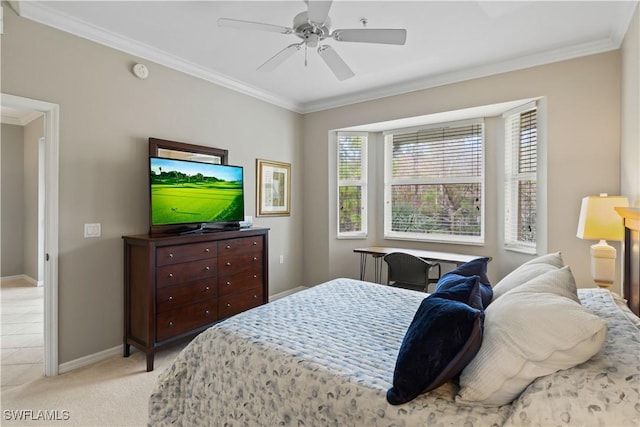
184, 151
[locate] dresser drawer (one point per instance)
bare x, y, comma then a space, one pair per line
236, 303
184, 319
184, 253
171, 297
238, 282
228, 264
175, 274
240, 246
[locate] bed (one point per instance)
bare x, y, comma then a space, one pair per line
326, 356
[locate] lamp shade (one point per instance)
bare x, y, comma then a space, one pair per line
598, 218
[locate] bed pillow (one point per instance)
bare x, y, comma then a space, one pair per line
528, 271
475, 267
445, 334
559, 282
531, 331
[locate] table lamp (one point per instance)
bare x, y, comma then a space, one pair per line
599, 221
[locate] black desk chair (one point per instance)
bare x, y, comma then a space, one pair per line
409, 271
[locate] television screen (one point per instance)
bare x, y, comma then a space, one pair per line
186, 192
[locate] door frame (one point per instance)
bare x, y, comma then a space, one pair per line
51, 193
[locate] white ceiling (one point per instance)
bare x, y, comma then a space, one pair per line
447, 41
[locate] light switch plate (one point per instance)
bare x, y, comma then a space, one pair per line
92, 230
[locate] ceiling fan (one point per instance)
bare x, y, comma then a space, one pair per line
313, 27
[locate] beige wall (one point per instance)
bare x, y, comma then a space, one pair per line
630, 161
20, 199
12, 182
582, 98
106, 118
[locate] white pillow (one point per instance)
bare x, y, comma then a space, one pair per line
529, 332
561, 283
526, 272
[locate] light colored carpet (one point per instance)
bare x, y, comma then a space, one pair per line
113, 392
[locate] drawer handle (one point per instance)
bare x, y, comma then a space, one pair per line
228, 305
207, 268
171, 324
228, 283
255, 276
255, 258
206, 289
228, 264
255, 243
170, 275
206, 313
206, 249
170, 255
228, 246
255, 297
170, 298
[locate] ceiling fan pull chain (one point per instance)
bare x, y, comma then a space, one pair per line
305, 54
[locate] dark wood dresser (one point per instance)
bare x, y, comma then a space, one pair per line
175, 286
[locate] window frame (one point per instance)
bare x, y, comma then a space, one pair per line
362, 182
512, 178
389, 182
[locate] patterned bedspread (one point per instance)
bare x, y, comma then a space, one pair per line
325, 356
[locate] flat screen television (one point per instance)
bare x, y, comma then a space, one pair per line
190, 197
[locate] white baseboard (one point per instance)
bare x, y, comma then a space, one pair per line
105, 354
20, 277
285, 293
89, 360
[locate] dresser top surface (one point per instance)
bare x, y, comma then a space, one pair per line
200, 237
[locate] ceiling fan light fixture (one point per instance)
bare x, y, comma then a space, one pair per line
312, 27
312, 40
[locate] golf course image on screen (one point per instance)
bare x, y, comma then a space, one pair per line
192, 192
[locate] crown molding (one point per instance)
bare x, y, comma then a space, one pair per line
456, 76
38, 12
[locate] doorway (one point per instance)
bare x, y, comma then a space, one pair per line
48, 171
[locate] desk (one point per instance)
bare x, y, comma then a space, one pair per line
377, 252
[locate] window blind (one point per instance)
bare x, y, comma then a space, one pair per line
352, 179
434, 153
521, 143
434, 183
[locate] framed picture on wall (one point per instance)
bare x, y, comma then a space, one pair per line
273, 188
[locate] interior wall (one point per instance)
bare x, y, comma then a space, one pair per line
11, 202
33, 131
582, 99
630, 160
106, 118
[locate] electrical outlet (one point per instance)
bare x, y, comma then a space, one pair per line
281, 259
92, 230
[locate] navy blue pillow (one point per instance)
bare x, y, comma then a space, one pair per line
475, 267
445, 334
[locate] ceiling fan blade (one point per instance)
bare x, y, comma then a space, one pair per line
250, 25
318, 11
279, 58
371, 35
333, 60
